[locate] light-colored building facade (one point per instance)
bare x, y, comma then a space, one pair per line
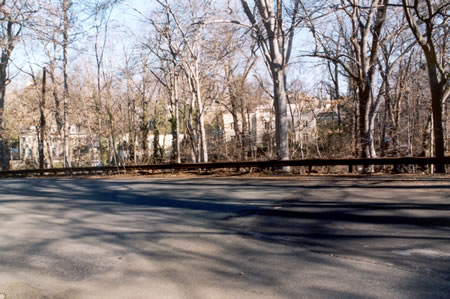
82, 144
303, 119
78, 137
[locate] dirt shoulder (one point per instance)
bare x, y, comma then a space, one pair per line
443, 178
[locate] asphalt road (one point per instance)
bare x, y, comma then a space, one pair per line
225, 238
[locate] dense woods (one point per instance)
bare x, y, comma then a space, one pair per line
104, 82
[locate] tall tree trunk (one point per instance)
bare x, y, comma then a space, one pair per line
4, 60
356, 118
245, 131
436, 106
276, 44
66, 7
234, 100
438, 80
281, 115
192, 132
446, 128
201, 122
144, 125
42, 126
56, 99
383, 125
177, 122
364, 94
4, 151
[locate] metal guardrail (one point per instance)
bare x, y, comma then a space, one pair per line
310, 163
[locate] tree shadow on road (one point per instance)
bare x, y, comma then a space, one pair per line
119, 220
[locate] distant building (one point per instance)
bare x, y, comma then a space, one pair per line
261, 121
29, 142
164, 141
83, 146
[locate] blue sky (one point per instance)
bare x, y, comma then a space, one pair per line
128, 25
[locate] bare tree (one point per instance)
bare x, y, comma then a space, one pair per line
167, 72
276, 40
66, 5
237, 66
14, 16
185, 40
428, 21
395, 66
360, 29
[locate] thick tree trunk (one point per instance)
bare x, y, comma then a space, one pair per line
281, 115
56, 99
436, 106
364, 94
5, 56
272, 40
437, 86
4, 151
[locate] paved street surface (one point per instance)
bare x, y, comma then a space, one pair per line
318, 237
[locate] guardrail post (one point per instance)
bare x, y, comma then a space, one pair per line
350, 168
